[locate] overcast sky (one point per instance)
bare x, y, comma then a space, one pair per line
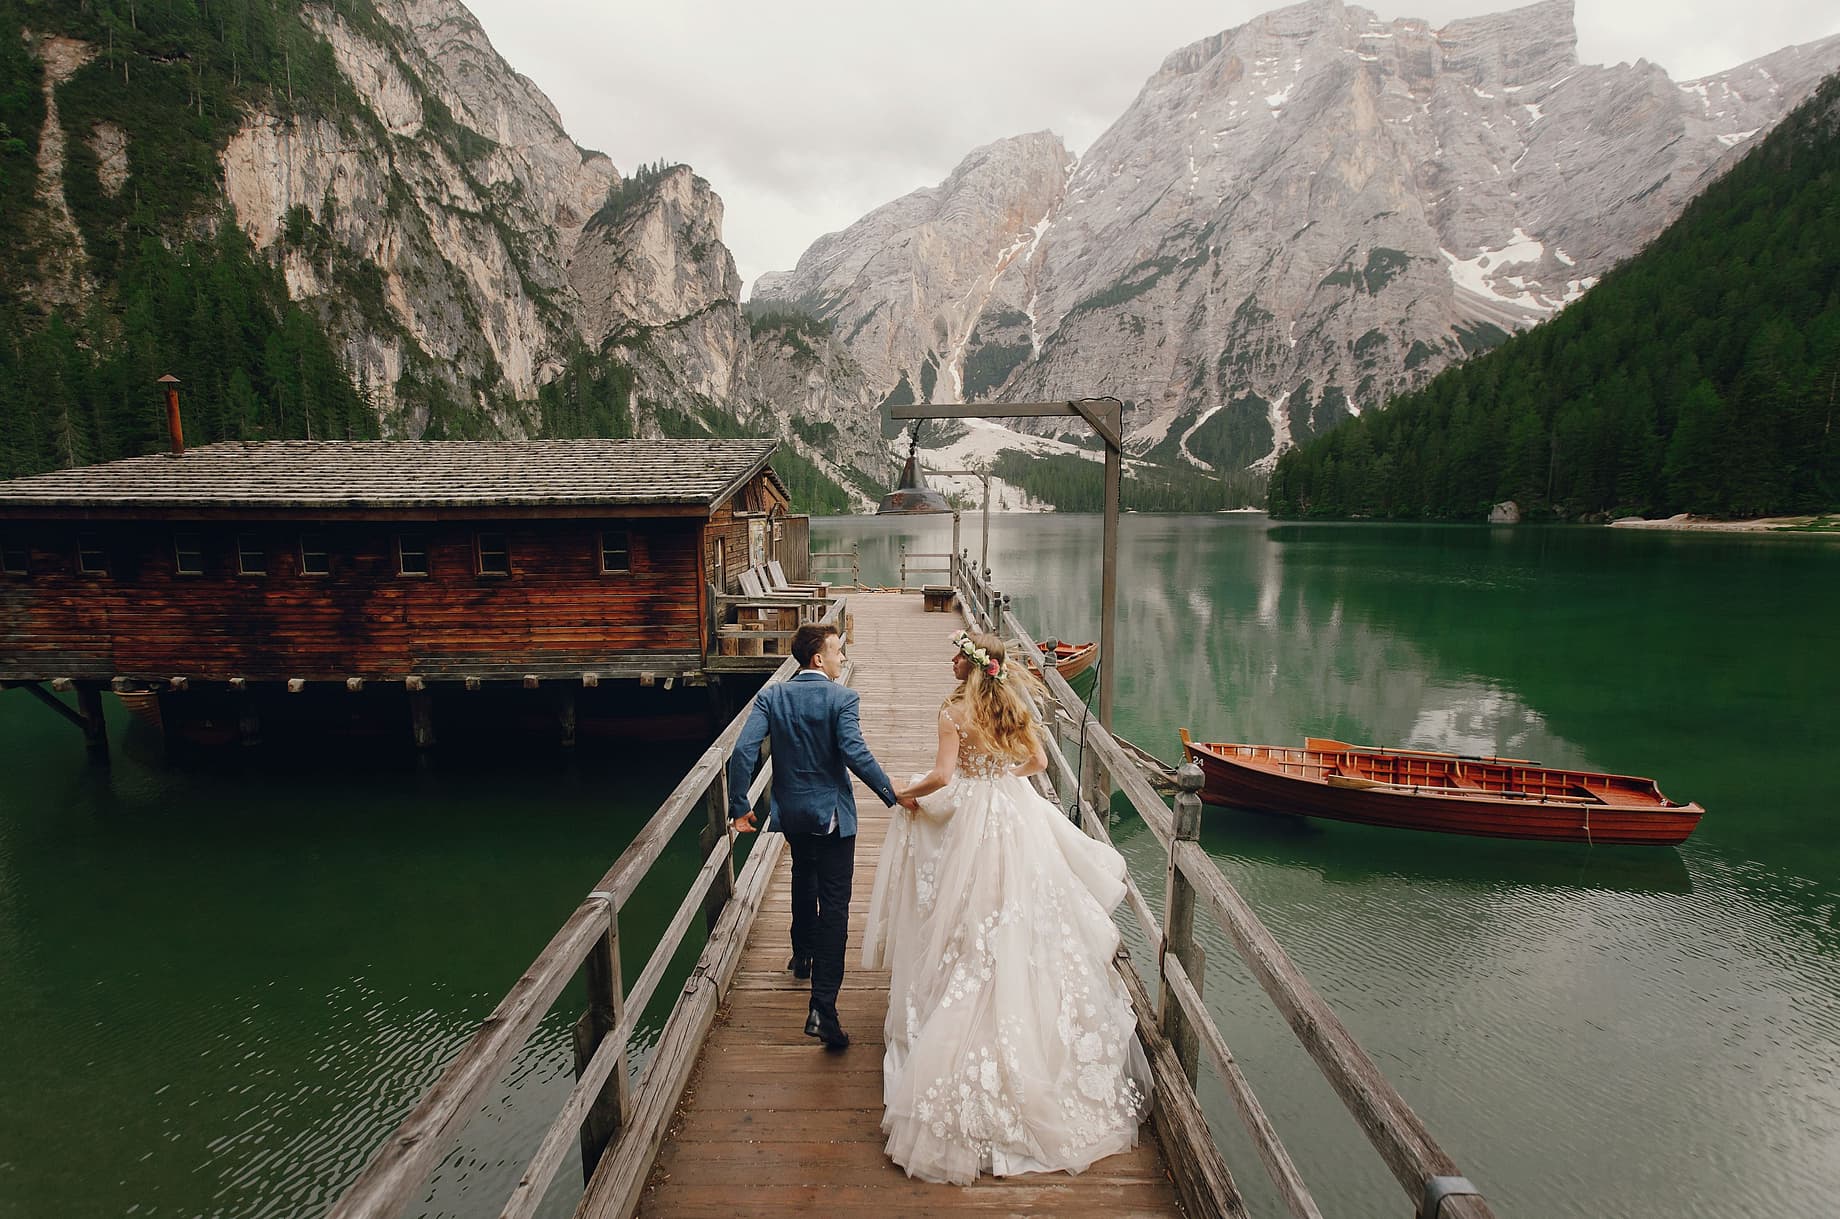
805, 114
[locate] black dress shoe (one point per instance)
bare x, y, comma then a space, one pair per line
800, 967
827, 1030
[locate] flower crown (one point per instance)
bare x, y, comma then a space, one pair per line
978, 656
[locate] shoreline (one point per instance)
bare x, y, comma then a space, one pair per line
1762, 524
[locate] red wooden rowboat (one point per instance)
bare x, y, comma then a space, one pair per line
1071, 659
1446, 792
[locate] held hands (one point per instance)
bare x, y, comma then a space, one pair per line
910, 803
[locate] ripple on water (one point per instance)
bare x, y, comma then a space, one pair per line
1553, 1037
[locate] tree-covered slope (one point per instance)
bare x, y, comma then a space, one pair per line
111, 276
1700, 376
336, 218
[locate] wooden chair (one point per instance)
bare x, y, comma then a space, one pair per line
781, 586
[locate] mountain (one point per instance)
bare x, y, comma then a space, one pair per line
345, 218
909, 283
1295, 220
1699, 376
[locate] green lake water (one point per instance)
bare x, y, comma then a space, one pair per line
1587, 1031
223, 982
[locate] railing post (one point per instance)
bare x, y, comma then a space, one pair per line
856, 564
903, 566
612, 1109
723, 886
1179, 924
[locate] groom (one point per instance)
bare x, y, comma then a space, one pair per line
816, 735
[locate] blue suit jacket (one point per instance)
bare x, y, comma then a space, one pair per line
817, 738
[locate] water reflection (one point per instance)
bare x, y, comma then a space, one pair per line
1622, 1031
239, 976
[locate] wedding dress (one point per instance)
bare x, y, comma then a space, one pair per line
1011, 1043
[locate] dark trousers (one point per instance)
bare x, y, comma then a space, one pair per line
823, 867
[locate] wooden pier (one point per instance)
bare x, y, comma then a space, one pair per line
737, 1113
772, 1124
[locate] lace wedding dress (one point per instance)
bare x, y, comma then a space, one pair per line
1011, 1043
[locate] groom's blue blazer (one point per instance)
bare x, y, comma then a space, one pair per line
817, 740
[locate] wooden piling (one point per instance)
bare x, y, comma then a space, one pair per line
565, 715
421, 718
95, 728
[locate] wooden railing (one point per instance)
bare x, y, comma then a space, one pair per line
828, 563
945, 568
753, 626
618, 1123
1179, 1024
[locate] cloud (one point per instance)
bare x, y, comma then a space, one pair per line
806, 114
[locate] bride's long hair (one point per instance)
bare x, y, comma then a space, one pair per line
997, 713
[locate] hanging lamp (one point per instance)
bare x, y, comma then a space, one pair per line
912, 497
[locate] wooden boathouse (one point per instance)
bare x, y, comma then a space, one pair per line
732, 1112
240, 579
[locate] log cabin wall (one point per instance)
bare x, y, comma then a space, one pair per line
759, 500
555, 610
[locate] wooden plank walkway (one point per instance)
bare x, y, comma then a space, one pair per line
771, 1122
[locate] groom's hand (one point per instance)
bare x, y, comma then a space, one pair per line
746, 824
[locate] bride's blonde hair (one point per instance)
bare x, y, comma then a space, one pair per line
995, 713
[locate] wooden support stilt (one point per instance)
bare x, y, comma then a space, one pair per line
52, 701
421, 718
95, 729
248, 723
565, 715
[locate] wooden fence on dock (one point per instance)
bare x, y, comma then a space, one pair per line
620, 1123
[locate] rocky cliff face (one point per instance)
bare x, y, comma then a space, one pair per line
935, 288
457, 243
1298, 217
503, 248
455, 192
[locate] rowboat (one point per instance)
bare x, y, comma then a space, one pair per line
1070, 659
1444, 792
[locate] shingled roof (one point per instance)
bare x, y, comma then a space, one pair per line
389, 474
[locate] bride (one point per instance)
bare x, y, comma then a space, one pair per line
1011, 1043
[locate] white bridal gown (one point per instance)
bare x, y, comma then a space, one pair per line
1011, 1044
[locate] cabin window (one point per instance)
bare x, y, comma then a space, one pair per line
315, 559
251, 559
616, 550
92, 559
493, 553
14, 559
188, 554
411, 554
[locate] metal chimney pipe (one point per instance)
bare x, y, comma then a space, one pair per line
173, 428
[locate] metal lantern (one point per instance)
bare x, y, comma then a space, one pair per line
912, 497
